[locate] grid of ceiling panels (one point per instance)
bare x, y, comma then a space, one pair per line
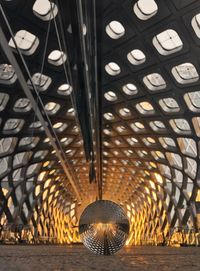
151, 105
30, 174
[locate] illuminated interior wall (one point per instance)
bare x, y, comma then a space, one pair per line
58, 225
156, 219
44, 205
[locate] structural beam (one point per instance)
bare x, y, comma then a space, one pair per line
60, 154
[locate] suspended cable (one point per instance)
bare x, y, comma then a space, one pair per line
67, 73
92, 175
56, 141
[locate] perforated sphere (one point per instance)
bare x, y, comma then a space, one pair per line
104, 227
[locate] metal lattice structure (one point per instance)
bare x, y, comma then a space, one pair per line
100, 98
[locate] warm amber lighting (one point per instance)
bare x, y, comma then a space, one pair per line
105, 227
198, 195
46, 164
159, 178
128, 214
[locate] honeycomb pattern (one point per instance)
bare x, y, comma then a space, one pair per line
34, 189
150, 113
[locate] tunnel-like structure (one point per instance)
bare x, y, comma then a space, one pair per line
99, 100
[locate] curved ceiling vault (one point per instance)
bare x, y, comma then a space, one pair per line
148, 68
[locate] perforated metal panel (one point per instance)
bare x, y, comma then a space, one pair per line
104, 227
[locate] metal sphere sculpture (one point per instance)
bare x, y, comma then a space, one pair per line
104, 227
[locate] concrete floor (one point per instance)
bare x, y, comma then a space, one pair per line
61, 258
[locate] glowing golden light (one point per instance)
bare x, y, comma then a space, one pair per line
105, 228
159, 178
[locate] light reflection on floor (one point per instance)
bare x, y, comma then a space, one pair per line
78, 258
